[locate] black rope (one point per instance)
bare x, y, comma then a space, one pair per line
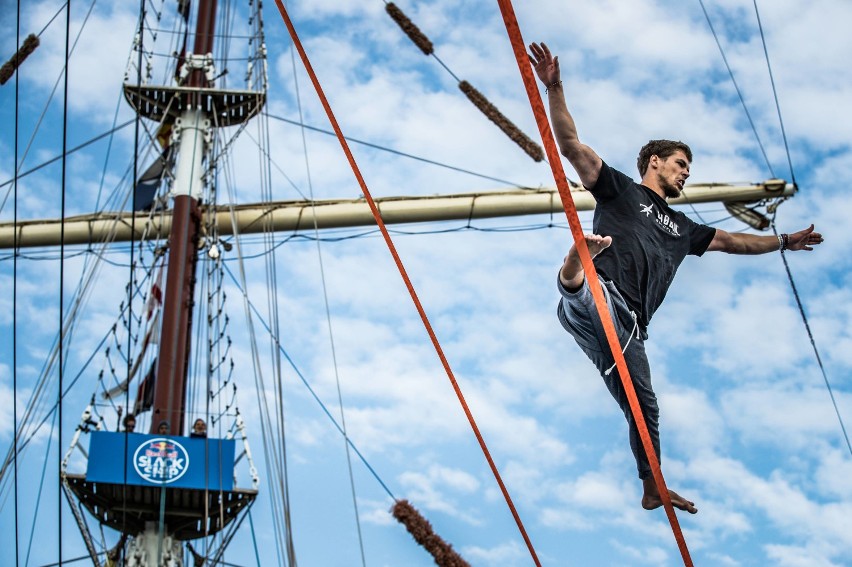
37, 503
131, 291
71, 151
775, 95
330, 329
736, 86
311, 390
107, 154
813, 345
56, 15
783, 257
62, 267
15, 303
45, 256
50, 98
399, 153
684, 194
59, 157
50, 411
74, 560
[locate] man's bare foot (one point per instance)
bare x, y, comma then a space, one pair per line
572, 273
651, 499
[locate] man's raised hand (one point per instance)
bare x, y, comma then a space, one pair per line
546, 65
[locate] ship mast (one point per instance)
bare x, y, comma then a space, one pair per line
191, 128
156, 493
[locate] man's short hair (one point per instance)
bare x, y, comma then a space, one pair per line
662, 149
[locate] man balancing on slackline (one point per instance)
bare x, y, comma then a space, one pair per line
637, 246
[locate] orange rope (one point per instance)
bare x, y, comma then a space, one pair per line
403, 273
554, 157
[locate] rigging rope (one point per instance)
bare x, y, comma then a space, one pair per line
399, 153
518, 46
783, 256
69, 50
304, 380
61, 368
402, 272
15, 302
775, 94
813, 344
254, 539
39, 395
267, 432
69, 152
131, 270
275, 354
328, 313
272, 309
218, 340
50, 21
276, 460
736, 87
474, 96
37, 506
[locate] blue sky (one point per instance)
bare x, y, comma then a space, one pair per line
748, 428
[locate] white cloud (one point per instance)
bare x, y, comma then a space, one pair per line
94, 86
432, 490
780, 415
6, 401
798, 556
506, 554
642, 555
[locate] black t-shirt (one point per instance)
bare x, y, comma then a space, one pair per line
649, 240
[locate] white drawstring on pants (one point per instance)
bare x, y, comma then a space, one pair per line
635, 330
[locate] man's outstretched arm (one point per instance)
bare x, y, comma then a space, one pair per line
583, 159
742, 243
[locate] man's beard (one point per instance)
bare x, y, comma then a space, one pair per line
669, 190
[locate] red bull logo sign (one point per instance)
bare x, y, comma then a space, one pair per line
161, 460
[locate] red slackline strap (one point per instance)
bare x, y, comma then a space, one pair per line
554, 158
403, 273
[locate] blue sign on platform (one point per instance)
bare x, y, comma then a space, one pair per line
157, 460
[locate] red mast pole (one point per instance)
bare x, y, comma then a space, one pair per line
173, 359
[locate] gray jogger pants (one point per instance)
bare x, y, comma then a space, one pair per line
579, 316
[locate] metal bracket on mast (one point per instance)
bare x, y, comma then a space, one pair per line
85, 423
192, 62
255, 478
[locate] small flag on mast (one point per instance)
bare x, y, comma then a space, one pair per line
148, 184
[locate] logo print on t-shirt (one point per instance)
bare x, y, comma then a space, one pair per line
664, 222
667, 224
